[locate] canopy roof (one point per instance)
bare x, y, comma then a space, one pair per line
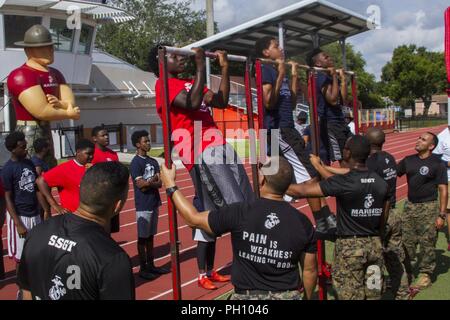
302, 22
95, 10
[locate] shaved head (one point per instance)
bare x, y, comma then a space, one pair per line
279, 181
376, 137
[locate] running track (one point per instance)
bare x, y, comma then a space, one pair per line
398, 144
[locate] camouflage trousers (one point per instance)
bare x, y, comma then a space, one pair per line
285, 295
34, 132
418, 228
357, 269
395, 255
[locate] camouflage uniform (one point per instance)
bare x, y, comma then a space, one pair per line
418, 227
33, 132
285, 295
357, 270
394, 256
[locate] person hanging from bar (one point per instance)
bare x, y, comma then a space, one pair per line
280, 99
331, 97
218, 175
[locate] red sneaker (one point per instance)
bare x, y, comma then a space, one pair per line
218, 277
205, 283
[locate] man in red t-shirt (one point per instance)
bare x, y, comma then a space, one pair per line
38, 92
67, 178
217, 172
102, 153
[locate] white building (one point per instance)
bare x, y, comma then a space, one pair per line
106, 88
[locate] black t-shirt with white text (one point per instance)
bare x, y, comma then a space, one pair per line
385, 166
71, 258
424, 176
360, 198
268, 238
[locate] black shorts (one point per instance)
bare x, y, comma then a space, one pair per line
293, 149
334, 138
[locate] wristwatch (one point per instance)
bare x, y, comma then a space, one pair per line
171, 191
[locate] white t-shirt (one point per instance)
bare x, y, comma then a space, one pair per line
444, 147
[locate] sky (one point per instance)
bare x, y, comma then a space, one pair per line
419, 22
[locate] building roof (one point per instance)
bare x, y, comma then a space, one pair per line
438, 98
301, 20
97, 11
111, 76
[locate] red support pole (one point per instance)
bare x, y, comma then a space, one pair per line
251, 128
315, 139
173, 225
259, 94
355, 104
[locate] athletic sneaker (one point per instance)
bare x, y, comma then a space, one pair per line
218, 277
205, 283
423, 282
144, 274
412, 293
157, 270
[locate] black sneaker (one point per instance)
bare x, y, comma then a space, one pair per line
157, 270
144, 274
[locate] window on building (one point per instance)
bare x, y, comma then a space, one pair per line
16, 26
87, 32
61, 35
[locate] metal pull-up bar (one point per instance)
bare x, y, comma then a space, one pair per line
173, 226
208, 54
303, 66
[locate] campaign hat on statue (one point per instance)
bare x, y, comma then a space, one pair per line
36, 36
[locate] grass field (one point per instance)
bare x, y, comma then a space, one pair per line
440, 290
422, 123
242, 149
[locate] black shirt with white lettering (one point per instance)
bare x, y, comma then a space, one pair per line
424, 176
385, 166
71, 258
360, 198
268, 238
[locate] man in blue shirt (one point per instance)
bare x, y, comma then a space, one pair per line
331, 96
280, 99
42, 149
19, 181
146, 182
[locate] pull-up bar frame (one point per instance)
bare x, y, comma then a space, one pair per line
314, 121
173, 225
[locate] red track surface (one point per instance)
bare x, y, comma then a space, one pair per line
398, 144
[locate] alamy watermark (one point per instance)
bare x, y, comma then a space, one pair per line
206, 147
74, 17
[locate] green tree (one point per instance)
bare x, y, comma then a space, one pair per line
414, 73
368, 89
156, 21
